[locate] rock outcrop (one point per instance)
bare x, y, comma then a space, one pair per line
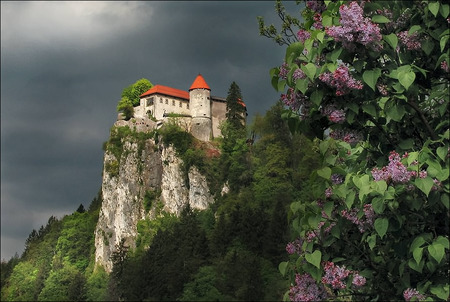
144, 165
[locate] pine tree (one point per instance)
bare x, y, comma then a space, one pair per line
235, 107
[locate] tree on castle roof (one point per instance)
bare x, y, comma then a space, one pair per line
133, 91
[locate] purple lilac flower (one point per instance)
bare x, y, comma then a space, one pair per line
296, 101
337, 179
303, 35
341, 80
412, 42
358, 280
349, 136
295, 247
355, 28
317, 21
316, 6
337, 116
410, 293
306, 289
334, 275
364, 223
298, 74
328, 192
284, 70
444, 66
382, 89
394, 171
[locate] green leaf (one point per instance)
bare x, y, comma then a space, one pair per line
302, 85
392, 40
380, 186
335, 54
372, 241
378, 205
443, 42
434, 8
417, 267
370, 77
442, 152
293, 51
381, 226
417, 254
444, 241
281, 85
380, 19
424, 184
282, 267
436, 251
442, 291
406, 144
427, 46
350, 198
316, 97
418, 242
413, 29
310, 70
325, 172
320, 36
444, 9
445, 200
406, 78
370, 109
314, 258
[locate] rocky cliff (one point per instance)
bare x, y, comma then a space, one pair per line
135, 163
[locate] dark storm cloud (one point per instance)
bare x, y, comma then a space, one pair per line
64, 65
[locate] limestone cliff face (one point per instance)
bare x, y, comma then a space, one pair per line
142, 167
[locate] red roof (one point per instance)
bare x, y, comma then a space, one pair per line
160, 89
199, 83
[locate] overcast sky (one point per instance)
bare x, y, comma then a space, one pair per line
64, 65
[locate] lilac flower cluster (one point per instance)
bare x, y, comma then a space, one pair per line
284, 70
349, 136
341, 79
444, 66
317, 21
298, 74
317, 6
306, 289
335, 276
296, 101
411, 42
334, 115
295, 247
355, 28
303, 35
337, 179
364, 223
411, 293
382, 89
320, 231
395, 170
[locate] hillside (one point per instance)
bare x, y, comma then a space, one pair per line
176, 219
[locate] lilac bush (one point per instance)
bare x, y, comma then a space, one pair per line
368, 81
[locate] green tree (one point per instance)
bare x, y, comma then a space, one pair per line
133, 91
21, 283
236, 110
126, 107
64, 284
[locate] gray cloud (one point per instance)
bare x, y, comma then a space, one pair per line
64, 65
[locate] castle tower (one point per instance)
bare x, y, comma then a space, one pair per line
200, 106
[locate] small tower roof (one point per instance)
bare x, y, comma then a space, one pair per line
199, 83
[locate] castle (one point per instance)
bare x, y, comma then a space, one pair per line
203, 112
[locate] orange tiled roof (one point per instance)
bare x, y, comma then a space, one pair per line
199, 83
160, 89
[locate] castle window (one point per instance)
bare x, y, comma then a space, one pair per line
167, 101
173, 102
181, 104
187, 105
160, 100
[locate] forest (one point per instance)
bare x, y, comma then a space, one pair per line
230, 251
340, 191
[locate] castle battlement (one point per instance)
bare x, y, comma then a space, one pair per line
204, 111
